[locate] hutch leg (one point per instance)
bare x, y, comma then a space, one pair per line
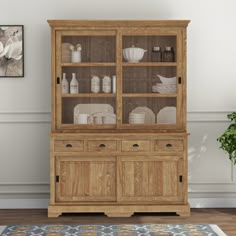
52, 213
183, 214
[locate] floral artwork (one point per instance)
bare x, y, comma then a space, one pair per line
11, 51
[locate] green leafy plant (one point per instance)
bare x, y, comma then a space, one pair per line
228, 138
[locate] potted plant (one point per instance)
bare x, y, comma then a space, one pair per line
228, 138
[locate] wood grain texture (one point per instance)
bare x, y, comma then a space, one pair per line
58, 102
88, 64
101, 146
151, 179
69, 145
122, 168
53, 77
86, 179
135, 146
117, 23
52, 173
169, 146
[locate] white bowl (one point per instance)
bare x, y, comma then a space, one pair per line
137, 114
167, 80
133, 54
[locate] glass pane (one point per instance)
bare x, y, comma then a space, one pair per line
94, 48
149, 111
98, 110
141, 79
148, 43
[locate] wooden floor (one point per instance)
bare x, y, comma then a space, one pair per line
224, 218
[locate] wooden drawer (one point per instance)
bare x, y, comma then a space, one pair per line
169, 145
102, 146
68, 145
135, 145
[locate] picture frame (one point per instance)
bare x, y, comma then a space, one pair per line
11, 50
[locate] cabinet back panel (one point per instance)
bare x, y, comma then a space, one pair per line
68, 105
155, 104
141, 79
84, 75
94, 48
148, 42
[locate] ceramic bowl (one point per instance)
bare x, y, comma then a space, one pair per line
133, 54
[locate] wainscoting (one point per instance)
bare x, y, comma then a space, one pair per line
24, 166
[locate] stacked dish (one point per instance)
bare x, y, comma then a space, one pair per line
136, 118
167, 80
164, 88
98, 113
167, 85
149, 115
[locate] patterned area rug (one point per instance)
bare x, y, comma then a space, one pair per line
113, 230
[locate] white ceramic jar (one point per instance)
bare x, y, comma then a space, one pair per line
95, 84
106, 84
76, 56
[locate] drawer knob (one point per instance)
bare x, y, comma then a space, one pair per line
68, 145
135, 145
168, 145
102, 145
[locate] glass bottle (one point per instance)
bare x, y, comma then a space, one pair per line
168, 55
64, 84
74, 85
156, 54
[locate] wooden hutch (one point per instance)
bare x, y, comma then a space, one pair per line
120, 167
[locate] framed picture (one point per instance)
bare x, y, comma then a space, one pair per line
11, 51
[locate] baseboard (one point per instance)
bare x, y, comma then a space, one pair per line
43, 203
212, 202
24, 203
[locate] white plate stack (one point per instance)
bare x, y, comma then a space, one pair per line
167, 85
136, 118
164, 88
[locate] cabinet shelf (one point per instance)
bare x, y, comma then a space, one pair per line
88, 126
88, 64
149, 64
148, 126
89, 95
151, 95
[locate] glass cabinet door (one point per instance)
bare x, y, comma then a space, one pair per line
123, 79
85, 67
151, 80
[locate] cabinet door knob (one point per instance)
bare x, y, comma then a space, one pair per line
168, 145
135, 145
102, 145
68, 145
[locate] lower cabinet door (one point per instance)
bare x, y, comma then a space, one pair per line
85, 178
150, 179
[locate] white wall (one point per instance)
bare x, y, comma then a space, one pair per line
25, 102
